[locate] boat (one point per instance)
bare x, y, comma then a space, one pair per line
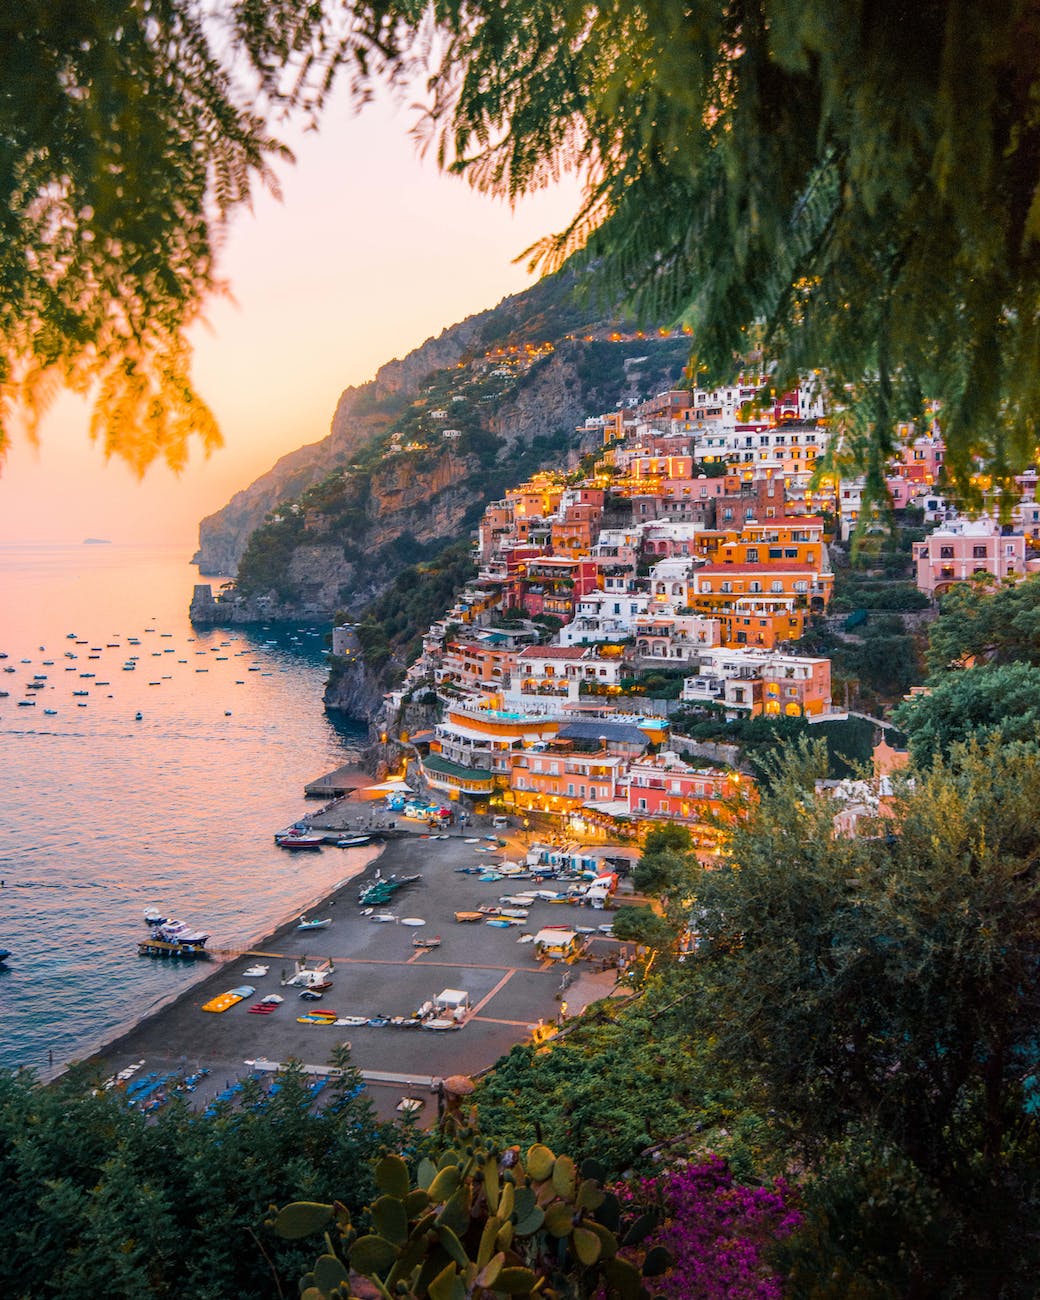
354, 1022
294, 842
4, 954
315, 924
255, 972
138, 716
81, 692
467, 917
27, 704
230, 999
354, 842
439, 1023
377, 1022
152, 916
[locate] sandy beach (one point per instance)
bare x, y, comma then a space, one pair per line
379, 972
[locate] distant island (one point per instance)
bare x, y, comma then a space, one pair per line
97, 541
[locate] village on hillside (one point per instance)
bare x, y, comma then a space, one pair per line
692, 553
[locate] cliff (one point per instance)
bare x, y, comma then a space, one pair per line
546, 311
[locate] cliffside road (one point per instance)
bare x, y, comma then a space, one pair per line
378, 972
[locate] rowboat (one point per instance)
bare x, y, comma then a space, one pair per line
435, 942
314, 925
467, 917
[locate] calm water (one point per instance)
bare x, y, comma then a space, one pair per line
103, 815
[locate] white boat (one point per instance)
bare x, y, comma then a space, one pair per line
314, 925
153, 916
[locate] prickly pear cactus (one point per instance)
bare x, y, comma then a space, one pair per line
480, 1224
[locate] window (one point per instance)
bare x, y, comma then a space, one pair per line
790, 553
756, 586
978, 552
570, 788
776, 586
752, 555
775, 553
945, 552
641, 805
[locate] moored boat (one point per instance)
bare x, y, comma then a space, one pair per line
314, 924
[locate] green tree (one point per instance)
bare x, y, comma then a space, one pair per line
999, 702
757, 169
769, 162
128, 135
977, 623
888, 983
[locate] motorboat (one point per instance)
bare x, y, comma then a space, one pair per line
353, 842
314, 924
469, 917
153, 916
299, 840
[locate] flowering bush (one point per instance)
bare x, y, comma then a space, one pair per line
717, 1232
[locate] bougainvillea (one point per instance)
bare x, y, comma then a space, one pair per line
718, 1232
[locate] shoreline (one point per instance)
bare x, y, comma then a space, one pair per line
377, 971
209, 969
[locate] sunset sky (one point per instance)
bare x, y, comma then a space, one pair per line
369, 252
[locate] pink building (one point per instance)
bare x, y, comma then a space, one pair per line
964, 549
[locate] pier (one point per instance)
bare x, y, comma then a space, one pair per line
339, 782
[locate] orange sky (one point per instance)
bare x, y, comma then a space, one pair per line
369, 253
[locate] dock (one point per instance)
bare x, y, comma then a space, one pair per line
336, 783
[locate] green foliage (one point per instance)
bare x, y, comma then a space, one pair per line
996, 701
98, 1200
484, 1223
130, 135
889, 982
264, 566
392, 627
1002, 625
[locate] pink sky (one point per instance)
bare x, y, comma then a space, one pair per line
369, 253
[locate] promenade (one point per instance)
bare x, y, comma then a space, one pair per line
379, 972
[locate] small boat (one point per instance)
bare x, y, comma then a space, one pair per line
315, 924
299, 841
354, 842
27, 704
51, 713
435, 942
152, 916
412, 920
81, 692
354, 1022
377, 1022
384, 917
255, 972
439, 1024
4, 954
138, 716
468, 917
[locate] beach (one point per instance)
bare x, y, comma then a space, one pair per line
378, 972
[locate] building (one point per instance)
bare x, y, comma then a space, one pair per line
750, 682
965, 549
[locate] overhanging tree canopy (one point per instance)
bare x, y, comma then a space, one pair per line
858, 180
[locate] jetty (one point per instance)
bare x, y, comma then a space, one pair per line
336, 783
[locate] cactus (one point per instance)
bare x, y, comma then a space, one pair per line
478, 1225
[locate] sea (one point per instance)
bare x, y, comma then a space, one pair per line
158, 785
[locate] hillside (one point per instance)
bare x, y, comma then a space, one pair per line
547, 312
414, 455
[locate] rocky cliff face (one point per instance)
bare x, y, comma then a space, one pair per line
364, 412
